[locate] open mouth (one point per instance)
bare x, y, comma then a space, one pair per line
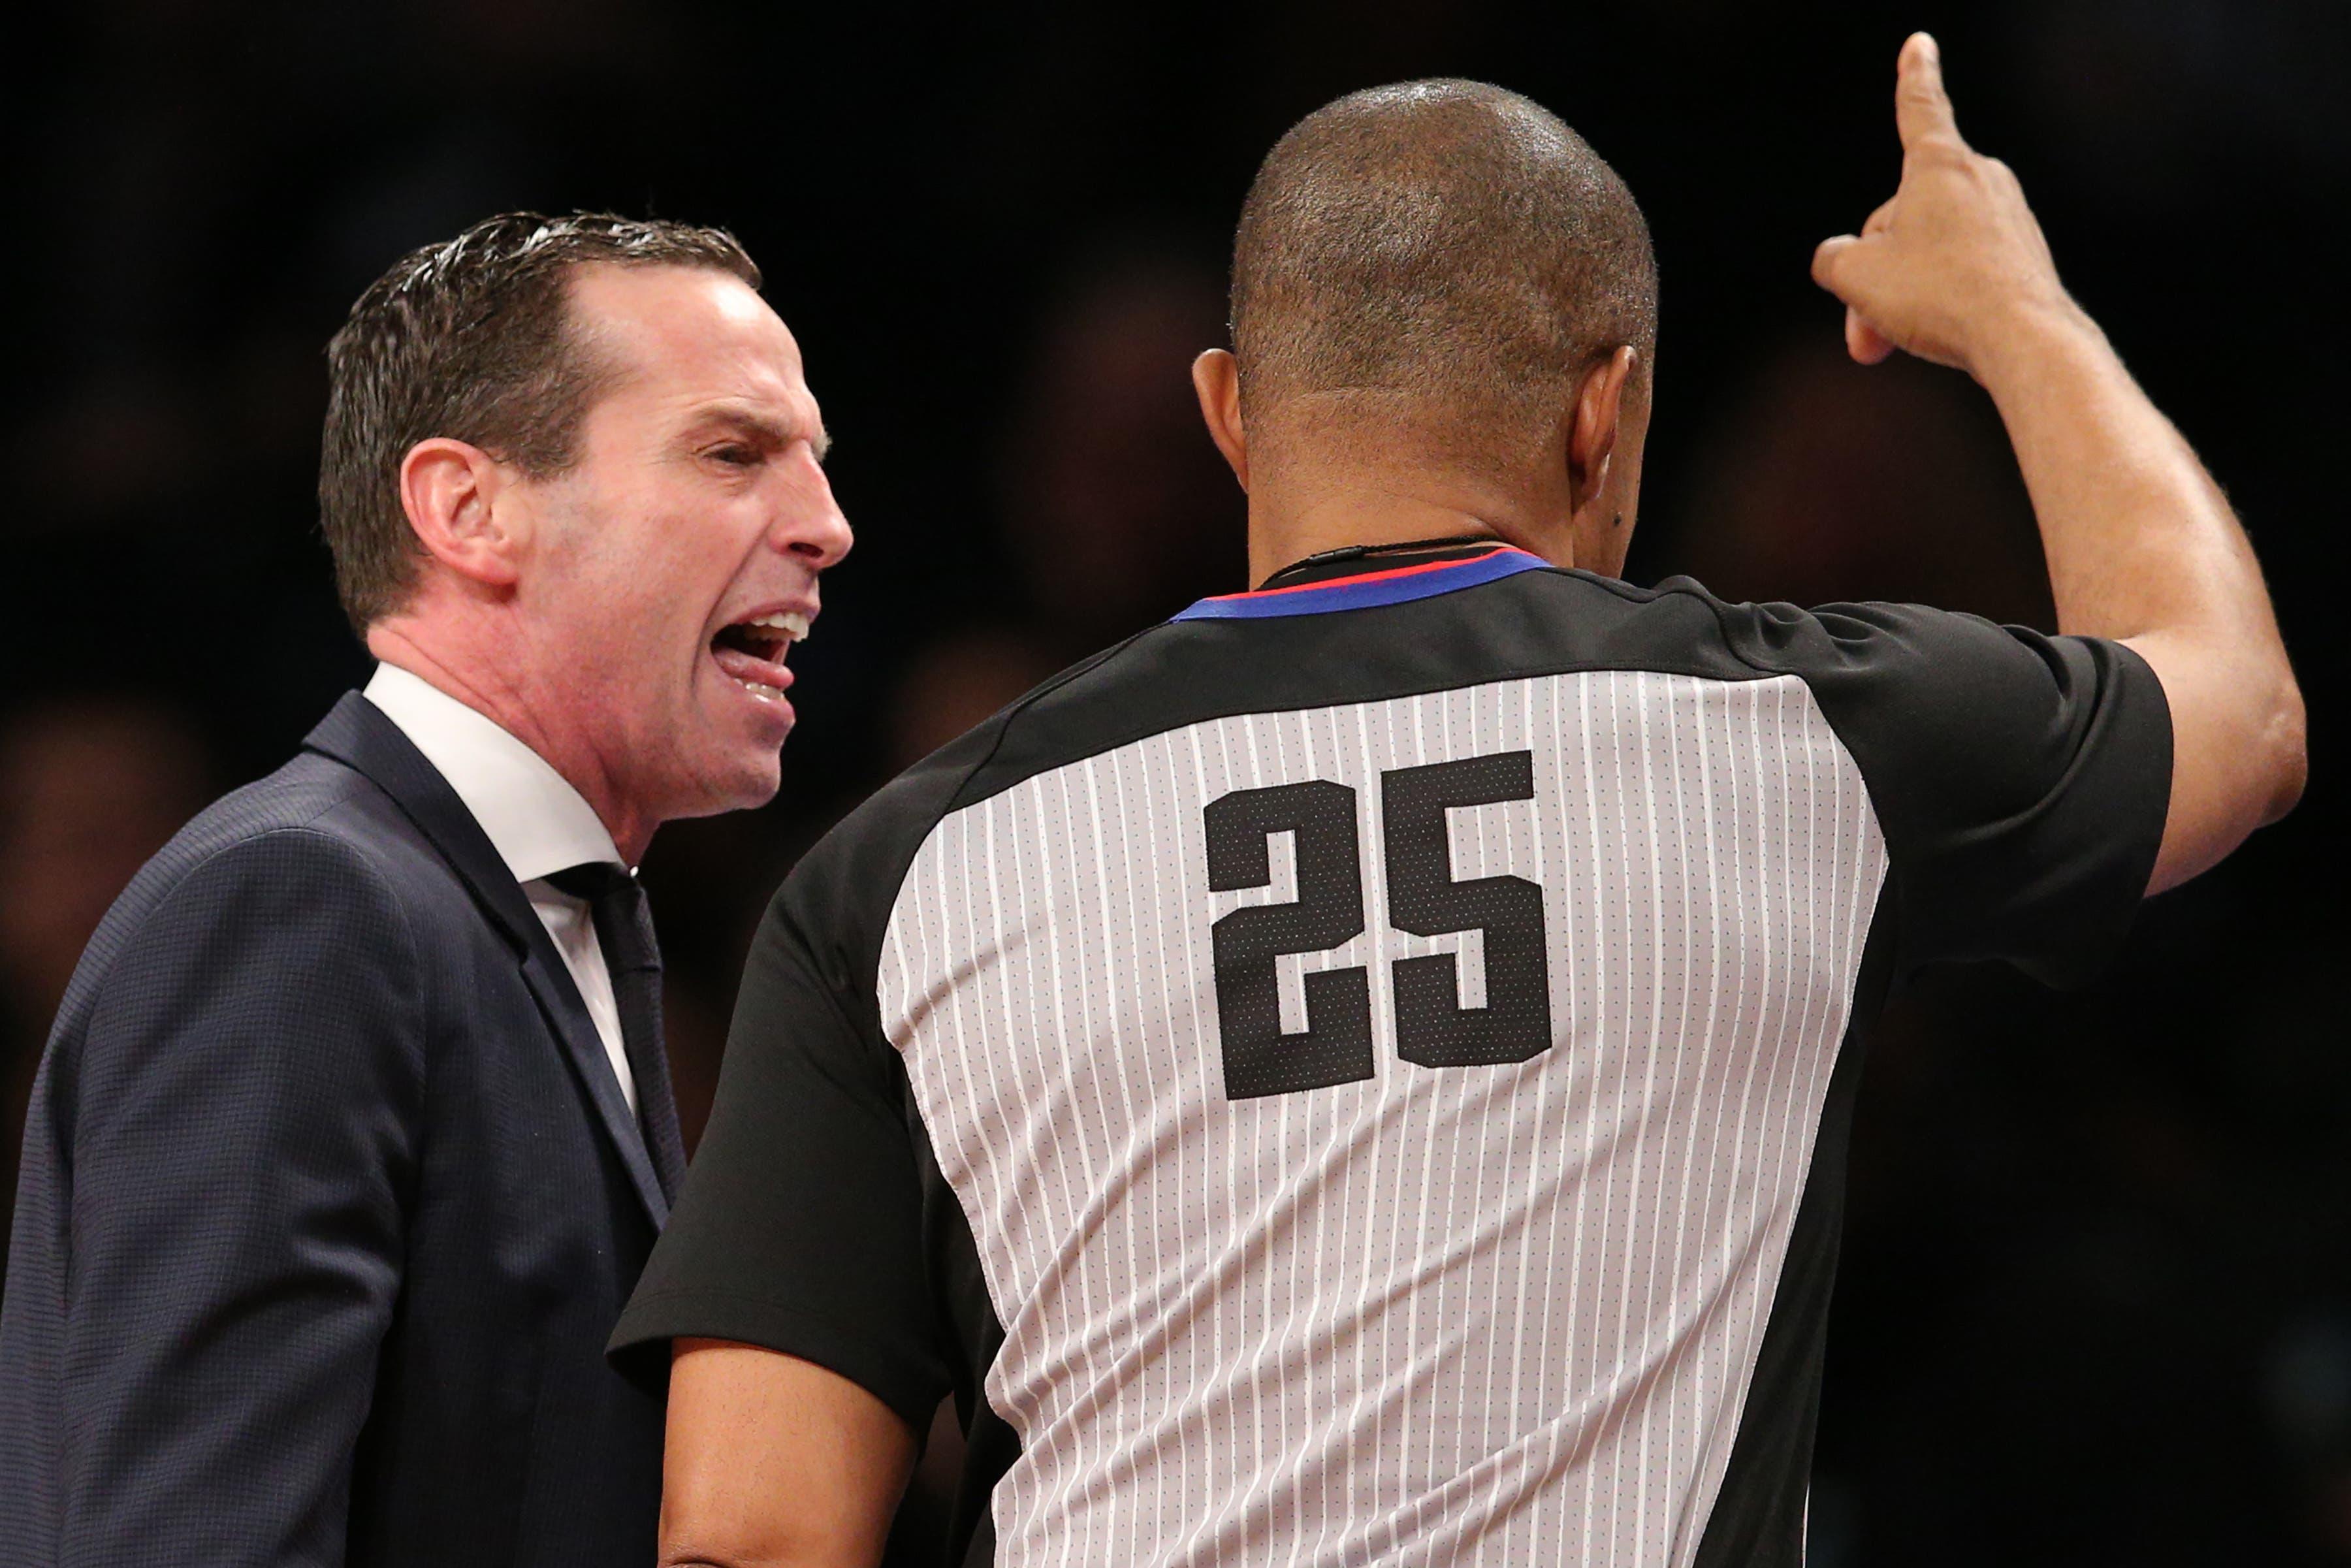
752, 651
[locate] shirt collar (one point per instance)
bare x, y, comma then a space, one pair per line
531, 813
1364, 584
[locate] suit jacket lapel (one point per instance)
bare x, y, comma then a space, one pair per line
357, 734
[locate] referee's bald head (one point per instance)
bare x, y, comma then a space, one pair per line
1436, 262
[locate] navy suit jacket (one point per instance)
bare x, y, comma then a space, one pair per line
330, 1201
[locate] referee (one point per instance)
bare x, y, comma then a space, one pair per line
1360, 1072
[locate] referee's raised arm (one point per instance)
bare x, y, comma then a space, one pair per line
2142, 546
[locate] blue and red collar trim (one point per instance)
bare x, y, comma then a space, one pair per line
1396, 585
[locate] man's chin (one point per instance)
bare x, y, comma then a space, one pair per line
737, 782
754, 781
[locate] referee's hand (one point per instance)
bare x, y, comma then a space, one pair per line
1955, 256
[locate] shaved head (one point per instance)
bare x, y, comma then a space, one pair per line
1440, 263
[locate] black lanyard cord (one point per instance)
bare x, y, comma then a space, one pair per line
1364, 552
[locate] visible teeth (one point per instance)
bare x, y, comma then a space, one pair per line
790, 622
766, 693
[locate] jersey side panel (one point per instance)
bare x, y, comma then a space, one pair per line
1464, 1313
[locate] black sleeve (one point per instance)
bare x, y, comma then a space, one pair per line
801, 1226
2021, 780
247, 1104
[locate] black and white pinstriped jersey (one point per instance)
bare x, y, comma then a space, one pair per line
1360, 1073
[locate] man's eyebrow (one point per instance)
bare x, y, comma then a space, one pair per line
772, 434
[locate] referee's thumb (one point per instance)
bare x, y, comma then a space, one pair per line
1832, 262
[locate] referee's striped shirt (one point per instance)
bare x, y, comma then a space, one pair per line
1360, 1073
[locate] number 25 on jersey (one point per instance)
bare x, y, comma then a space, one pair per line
1433, 1029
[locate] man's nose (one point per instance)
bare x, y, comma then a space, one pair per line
810, 523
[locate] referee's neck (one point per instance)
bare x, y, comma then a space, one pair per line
1288, 522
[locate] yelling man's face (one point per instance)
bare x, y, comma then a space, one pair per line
675, 561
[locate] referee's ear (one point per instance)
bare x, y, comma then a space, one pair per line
1217, 377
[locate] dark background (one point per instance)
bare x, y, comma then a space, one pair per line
2095, 1304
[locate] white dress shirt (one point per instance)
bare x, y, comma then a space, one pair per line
535, 820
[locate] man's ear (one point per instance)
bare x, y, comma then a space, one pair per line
1217, 377
451, 492
1592, 436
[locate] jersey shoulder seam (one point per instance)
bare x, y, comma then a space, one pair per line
954, 802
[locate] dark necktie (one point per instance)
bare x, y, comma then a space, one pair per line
624, 930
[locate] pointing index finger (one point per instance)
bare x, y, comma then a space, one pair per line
1921, 109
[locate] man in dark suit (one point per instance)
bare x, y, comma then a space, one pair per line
354, 1130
